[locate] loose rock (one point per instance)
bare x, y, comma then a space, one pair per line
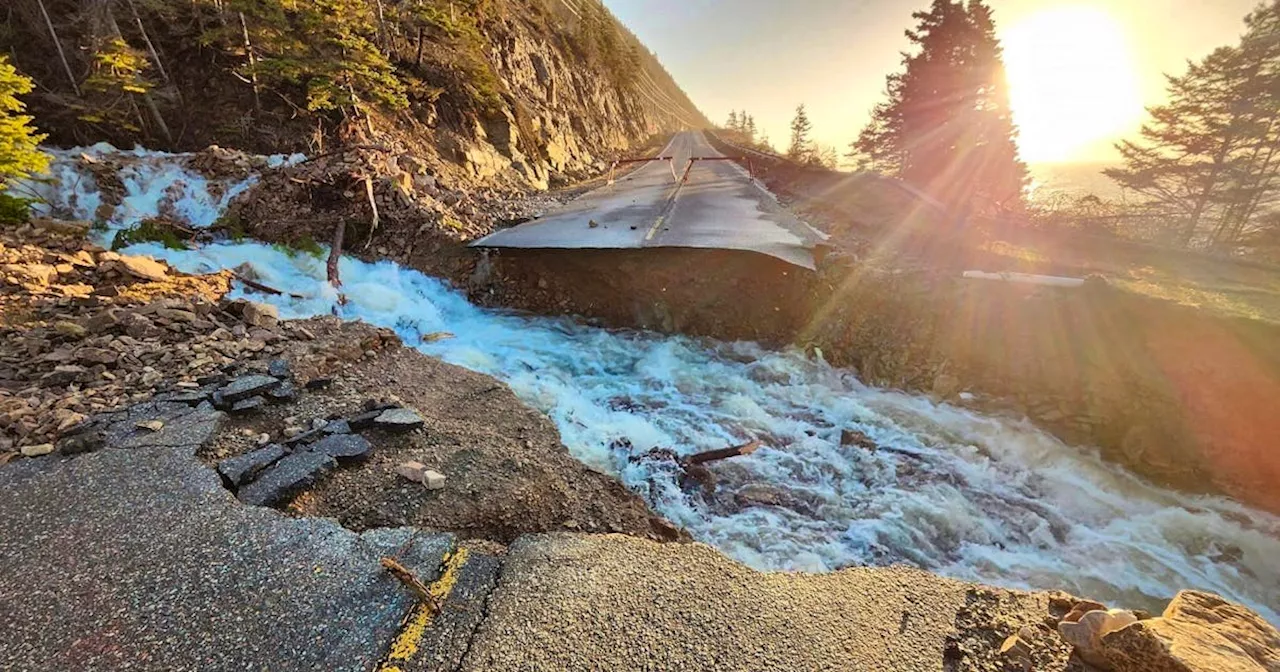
399, 420
343, 446
37, 451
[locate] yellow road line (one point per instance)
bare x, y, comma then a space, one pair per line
406, 644
654, 229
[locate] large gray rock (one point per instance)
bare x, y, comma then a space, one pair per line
285, 478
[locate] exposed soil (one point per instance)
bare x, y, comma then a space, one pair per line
508, 473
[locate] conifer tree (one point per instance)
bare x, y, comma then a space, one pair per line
946, 125
732, 125
801, 149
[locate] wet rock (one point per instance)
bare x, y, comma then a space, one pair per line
1198, 632
37, 451
145, 268
343, 446
247, 386
286, 477
946, 386
399, 420
241, 469
758, 494
250, 405
852, 437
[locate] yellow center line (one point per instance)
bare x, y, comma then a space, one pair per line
406, 644
671, 202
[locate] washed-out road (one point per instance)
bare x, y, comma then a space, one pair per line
712, 203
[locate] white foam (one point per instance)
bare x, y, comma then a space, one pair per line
964, 495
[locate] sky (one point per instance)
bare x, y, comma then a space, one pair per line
1081, 71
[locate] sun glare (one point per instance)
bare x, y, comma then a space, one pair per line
1072, 82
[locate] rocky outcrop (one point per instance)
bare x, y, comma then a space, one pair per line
1199, 632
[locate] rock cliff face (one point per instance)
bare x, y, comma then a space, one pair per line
538, 92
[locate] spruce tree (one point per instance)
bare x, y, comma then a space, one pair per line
947, 126
801, 149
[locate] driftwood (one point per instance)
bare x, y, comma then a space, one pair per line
722, 454
694, 472
266, 289
412, 582
374, 220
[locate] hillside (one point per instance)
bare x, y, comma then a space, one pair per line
536, 89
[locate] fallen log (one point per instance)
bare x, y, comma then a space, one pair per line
722, 454
265, 289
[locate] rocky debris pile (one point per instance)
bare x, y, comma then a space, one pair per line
391, 204
86, 330
299, 456
271, 474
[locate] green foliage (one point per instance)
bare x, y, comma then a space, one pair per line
148, 231
947, 126
304, 245
19, 156
13, 209
326, 47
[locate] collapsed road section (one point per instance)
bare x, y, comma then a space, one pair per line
715, 205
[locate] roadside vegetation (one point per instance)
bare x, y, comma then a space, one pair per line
19, 155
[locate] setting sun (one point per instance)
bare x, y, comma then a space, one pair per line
1072, 82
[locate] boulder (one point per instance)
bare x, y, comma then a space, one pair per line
1199, 632
1086, 633
260, 314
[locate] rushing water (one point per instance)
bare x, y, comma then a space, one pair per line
952, 491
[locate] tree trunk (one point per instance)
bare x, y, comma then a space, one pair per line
62, 56
150, 102
151, 48
253, 63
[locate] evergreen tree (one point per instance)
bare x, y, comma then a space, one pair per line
801, 149
946, 125
1208, 157
732, 125
749, 129
19, 156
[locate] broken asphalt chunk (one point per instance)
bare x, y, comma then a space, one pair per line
242, 468
343, 446
247, 386
286, 477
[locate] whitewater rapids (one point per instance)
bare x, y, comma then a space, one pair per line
955, 492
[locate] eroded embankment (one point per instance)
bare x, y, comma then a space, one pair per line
1174, 393
959, 493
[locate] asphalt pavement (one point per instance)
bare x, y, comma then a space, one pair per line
710, 203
